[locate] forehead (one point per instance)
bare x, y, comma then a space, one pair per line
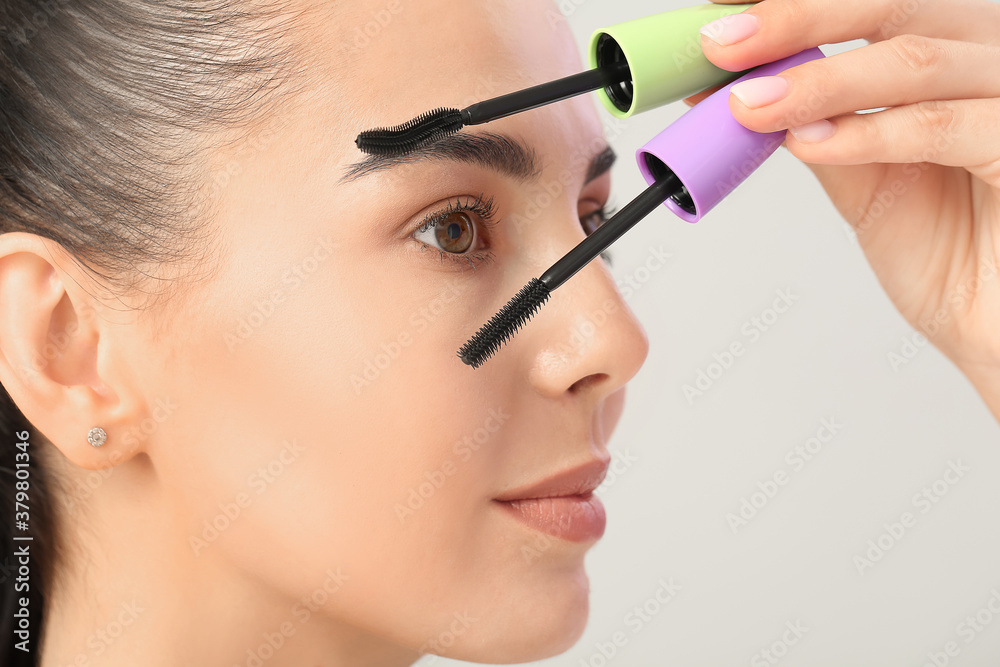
382, 62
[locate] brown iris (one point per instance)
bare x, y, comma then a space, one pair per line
592, 221
455, 232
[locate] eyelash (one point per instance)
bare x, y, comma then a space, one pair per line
486, 210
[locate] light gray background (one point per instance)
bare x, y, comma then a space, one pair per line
826, 357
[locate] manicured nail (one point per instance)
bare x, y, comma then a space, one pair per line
814, 132
761, 91
731, 29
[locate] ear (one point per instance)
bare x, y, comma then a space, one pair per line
60, 357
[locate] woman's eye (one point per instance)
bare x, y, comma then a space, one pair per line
594, 220
454, 233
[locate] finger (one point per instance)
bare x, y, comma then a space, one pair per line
775, 29
900, 71
958, 133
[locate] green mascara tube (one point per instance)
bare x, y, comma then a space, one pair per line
664, 56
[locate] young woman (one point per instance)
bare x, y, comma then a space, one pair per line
228, 338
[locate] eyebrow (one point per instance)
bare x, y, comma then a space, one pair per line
498, 152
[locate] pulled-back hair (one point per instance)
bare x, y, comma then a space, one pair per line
106, 109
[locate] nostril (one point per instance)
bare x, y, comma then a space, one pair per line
583, 383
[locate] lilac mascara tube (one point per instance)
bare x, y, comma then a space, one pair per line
690, 167
708, 151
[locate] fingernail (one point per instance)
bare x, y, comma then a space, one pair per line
814, 132
731, 29
761, 91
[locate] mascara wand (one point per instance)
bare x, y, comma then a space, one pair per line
689, 167
433, 125
523, 306
636, 65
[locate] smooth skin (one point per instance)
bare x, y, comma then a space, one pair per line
920, 181
299, 469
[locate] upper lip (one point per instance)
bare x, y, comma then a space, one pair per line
579, 480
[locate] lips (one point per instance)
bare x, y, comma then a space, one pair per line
577, 481
562, 505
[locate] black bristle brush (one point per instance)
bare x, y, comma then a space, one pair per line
432, 125
492, 335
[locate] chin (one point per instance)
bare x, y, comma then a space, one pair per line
538, 624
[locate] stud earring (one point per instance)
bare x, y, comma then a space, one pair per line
96, 436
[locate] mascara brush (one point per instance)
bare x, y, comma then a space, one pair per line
492, 335
689, 167
433, 125
636, 65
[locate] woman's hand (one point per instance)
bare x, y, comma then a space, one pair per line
919, 182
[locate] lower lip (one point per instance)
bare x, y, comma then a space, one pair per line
575, 518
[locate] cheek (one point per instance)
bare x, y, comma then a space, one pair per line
343, 431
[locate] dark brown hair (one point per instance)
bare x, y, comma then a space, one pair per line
106, 107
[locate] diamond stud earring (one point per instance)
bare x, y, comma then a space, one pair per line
96, 436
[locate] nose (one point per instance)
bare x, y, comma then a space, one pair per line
586, 340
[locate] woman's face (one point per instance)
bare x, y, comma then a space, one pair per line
325, 445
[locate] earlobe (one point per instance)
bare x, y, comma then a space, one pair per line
53, 346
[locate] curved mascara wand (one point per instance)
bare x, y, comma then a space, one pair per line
636, 65
492, 335
431, 126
